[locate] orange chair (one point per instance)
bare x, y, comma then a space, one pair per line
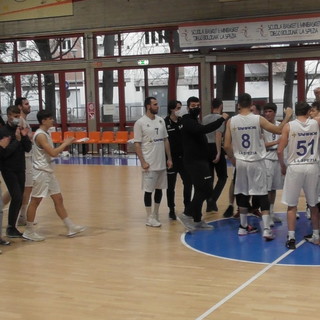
56, 137
79, 135
67, 134
94, 138
107, 138
121, 138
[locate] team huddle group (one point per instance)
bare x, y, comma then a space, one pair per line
267, 156
26, 168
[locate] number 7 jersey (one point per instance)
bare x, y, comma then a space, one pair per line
303, 142
247, 140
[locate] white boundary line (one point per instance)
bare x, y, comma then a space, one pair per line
244, 285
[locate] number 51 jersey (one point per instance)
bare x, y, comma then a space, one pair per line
247, 140
303, 142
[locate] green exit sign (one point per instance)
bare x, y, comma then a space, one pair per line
144, 62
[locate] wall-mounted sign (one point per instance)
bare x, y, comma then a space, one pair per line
143, 62
250, 33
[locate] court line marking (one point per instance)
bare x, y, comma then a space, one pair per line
244, 285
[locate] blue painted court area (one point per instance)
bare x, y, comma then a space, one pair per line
224, 242
125, 160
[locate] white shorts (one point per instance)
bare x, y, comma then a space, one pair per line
274, 177
44, 184
29, 174
152, 180
301, 177
251, 178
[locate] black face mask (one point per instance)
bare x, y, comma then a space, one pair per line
194, 112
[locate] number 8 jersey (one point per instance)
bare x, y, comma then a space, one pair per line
247, 141
303, 142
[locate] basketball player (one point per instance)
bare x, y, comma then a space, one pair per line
245, 148
302, 169
152, 146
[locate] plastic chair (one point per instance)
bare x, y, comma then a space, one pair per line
107, 138
94, 138
81, 139
56, 137
121, 138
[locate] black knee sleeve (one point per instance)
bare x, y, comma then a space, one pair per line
157, 195
147, 199
242, 200
264, 202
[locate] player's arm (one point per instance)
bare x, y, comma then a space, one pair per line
282, 145
168, 152
42, 141
218, 145
266, 125
228, 143
145, 165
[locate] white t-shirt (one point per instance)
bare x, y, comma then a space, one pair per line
151, 134
247, 141
303, 143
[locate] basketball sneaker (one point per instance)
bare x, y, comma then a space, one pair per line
268, 234
152, 222
243, 231
75, 229
32, 235
187, 222
312, 239
229, 212
291, 244
202, 225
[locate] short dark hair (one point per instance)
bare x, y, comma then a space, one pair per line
316, 105
245, 100
147, 101
270, 106
192, 99
216, 103
13, 109
172, 104
44, 114
19, 101
302, 108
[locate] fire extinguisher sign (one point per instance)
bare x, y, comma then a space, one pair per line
91, 110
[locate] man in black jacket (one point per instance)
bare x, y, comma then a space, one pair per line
196, 161
13, 166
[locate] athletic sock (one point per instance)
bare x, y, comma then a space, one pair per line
291, 235
266, 221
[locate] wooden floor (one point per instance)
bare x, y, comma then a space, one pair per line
119, 269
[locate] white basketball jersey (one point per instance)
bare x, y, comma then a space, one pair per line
151, 134
303, 142
247, 141
270, 137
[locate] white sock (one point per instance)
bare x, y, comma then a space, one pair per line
23, 211
315, 233
291, 235
68, 222
156, 210
266, 221
271, 209
244, 219
29, 226
148, 211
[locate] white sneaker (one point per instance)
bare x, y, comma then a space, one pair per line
75, 230
152, 222
268, 234
202, 225
32, 235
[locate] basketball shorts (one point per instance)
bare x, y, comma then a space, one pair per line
29, 174
301, 177
251, 178
274, 177
152, 180
44, 184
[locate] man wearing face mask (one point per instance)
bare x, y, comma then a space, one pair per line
13, 166
174, 126
195, 158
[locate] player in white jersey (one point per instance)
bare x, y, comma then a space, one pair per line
301, 137
152, 146
274, 176
245, 148
45, 182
